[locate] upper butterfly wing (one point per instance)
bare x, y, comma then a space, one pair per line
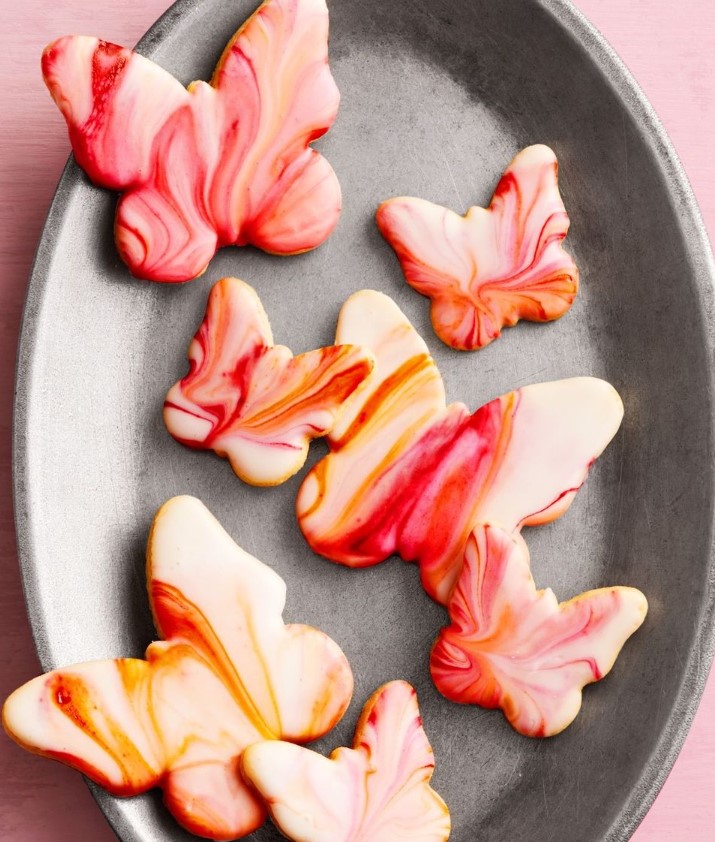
292, 682
253, 402
115, 103
492, 267
378, 791
513, 647
408, 475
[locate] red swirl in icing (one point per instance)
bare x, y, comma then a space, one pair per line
490, 268
408, 474
225, 163
515, 648
378, 791
227, 674
252, 401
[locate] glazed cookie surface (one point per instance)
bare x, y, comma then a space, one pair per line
252, 401
490, 268
377, 791
227, 673
222, 163
408, 474
512, 646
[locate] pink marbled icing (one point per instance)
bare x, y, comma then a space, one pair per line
222, 163
490, 268
514, 647
377, 791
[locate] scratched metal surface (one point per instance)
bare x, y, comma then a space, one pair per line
437, 98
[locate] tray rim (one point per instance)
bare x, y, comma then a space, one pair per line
582, 32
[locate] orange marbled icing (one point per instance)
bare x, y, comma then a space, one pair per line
225, 163
252, 401
490, 268
228, 673
512, 646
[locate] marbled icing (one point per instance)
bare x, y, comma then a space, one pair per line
227, 673
514, 647
252, 401
493, 266
377, 791
408, 474
222, 163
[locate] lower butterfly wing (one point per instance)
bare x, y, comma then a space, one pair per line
492, 267
270, 188
378, 791
238, 628
115, 103
513, 647
95, 717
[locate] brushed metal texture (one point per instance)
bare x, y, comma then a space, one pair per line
436, 98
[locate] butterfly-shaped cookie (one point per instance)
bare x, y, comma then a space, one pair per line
225, 163
514, 647
227, 673
408, 474
494, 266
377, 791
252, 401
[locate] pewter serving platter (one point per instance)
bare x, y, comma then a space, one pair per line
436, 98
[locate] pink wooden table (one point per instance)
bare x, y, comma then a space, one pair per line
670, 48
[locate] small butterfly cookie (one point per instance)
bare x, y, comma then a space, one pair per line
252, 401
222, 163
490, 268
377, 791
227, 673
514, 647
408, 474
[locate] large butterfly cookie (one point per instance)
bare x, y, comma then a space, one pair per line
377, 791
490, 268
408, 474
225, 163
512, 646
228, 673
253, 401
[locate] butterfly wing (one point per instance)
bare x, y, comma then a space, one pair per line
490, 268
95, 717
115, 102
378, 791
291, 682
408, 475
513, 647
253, 402
270, 188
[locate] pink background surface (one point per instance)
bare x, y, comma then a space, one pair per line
669, 47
